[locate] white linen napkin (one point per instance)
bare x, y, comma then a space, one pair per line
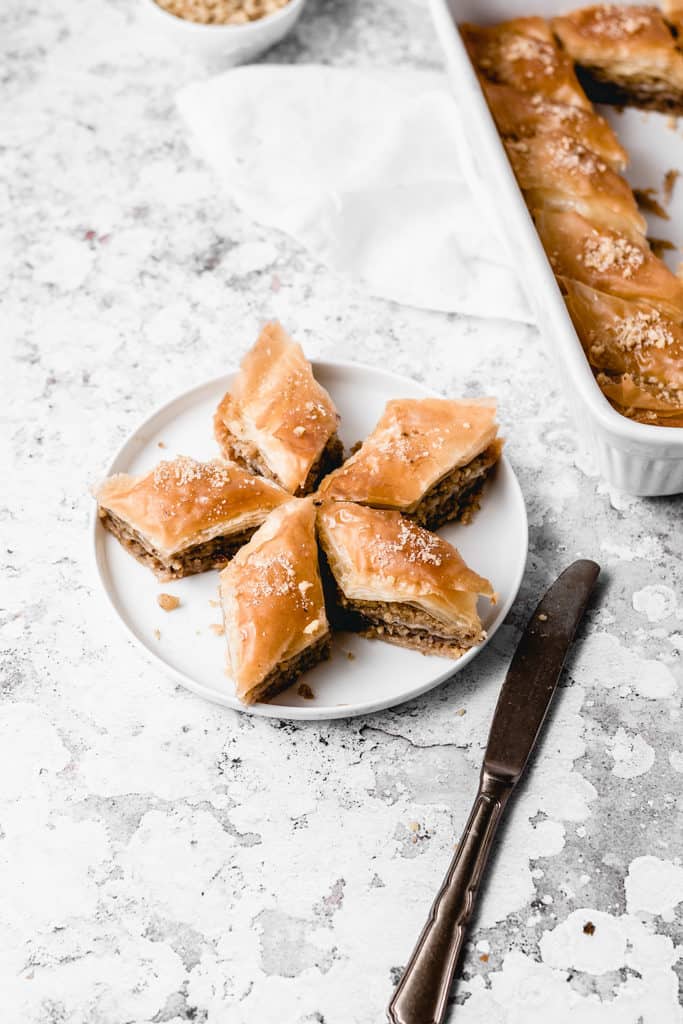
363, 169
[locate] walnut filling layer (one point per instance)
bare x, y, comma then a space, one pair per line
456, 496
648, 93
247, 454
288, 672
404, 624
211, 554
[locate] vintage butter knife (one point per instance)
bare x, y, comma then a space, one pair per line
422, 993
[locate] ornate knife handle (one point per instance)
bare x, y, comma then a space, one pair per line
422, 993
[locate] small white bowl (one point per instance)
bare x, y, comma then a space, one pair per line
228, 44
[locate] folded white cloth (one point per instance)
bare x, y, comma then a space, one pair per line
363, 169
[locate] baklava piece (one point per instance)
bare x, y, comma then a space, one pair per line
636, 353
277, 420
400, 582
556, 172
523, 53
608, 261
185, 516
521, 115
625, 55
427, 457
273, 606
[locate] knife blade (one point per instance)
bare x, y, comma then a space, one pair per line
422, 993
535, 670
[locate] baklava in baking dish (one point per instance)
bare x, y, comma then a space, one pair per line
186, 516
427, 458
277, 419
402, 584
624, 55
523, 53
626, 305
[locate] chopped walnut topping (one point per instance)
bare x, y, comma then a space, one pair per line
643, 328
613, 21
612, 252
169, 602
184, 470
526, 48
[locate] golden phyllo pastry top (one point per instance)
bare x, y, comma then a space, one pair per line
184, 502
277, 408
272, 597
378, 555
416, 442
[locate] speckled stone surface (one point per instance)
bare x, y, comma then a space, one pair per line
163, 860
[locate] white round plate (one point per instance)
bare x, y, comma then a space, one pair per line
362, 675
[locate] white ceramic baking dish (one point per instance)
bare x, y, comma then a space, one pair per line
634, 457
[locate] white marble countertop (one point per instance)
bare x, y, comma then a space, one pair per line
164, 860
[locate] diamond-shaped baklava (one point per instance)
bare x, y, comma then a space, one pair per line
427, 458
522, 115
399, 582
556, 172
185, 516
523, 53
626, 55
635, 351
277, 419
608, 261
273, 606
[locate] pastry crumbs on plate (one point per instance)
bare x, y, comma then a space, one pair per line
169, 602
214, 604
589, 928
157, 634
161, 444
218, 628
669, 183
304, 690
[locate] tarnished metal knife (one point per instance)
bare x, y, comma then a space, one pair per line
422, 993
